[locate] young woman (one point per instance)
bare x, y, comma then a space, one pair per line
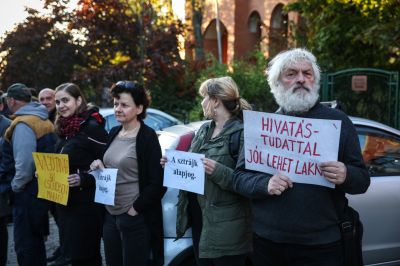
83, 138
133, 227
220, 219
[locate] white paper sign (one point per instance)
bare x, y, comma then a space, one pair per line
185, 171
105, 185
290, 145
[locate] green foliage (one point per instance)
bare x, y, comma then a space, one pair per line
345, 34
350, 33
250, 78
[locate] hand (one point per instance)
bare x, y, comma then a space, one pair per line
132, 212
334, 172
163, 161
209, 165
96, 164
74, 180
278, 183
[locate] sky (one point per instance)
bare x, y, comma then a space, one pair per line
12, 11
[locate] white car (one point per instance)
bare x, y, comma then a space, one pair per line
155, 119
379, 207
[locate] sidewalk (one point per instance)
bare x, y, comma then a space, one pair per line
51, 243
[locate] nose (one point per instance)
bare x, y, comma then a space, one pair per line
300, 78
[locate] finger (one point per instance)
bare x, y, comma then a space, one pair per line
286, 181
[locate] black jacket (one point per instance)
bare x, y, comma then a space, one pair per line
82, 149
151, 188
304, 214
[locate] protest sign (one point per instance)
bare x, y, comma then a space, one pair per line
105, 185
293, 146
184, 170
53, 172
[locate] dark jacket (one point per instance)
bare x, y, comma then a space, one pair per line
226, 215
82, 149
151, 188
304, 214
5, 176
81, 221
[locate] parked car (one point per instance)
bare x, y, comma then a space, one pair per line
379, 207
155, 119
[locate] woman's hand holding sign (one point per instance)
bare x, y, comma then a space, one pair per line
96, 164
278, 183
74, 180
334, 172
209, 165
163, 161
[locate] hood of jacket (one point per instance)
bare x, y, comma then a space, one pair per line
33, 108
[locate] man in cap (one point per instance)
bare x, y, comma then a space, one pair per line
30, 131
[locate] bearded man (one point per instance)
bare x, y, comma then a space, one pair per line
294, 223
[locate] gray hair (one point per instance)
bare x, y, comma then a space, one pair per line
286, 59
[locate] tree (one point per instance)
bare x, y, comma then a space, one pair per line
136, 40
37, 53
351, 33
355, 34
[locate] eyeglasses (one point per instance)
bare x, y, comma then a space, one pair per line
126, 84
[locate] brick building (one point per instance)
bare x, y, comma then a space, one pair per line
244, 25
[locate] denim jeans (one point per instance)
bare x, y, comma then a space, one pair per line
30, 224
126, 240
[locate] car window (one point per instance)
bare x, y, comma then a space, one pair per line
151, 121
380, 151
111, 122
165, 122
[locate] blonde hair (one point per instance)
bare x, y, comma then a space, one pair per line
226, 90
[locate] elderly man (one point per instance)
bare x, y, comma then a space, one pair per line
30, 131
294, 223
47, 98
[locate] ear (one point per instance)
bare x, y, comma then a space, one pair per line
79, 100
139, 109
216, 102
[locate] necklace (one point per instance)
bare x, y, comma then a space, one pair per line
130, 132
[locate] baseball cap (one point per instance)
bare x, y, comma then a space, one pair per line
20, 92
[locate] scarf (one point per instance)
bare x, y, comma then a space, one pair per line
69, 126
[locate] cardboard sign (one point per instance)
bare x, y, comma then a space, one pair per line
290, 145
53, 172
105, 185
184, 170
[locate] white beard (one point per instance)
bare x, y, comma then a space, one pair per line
295, 101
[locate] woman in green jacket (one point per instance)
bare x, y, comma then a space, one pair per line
220, 219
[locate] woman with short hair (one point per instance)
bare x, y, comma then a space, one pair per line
133, 227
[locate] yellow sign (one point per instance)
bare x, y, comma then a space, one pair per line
53, 172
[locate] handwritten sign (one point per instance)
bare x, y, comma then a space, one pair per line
105, 185
184, 170
53, 172
291, 145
